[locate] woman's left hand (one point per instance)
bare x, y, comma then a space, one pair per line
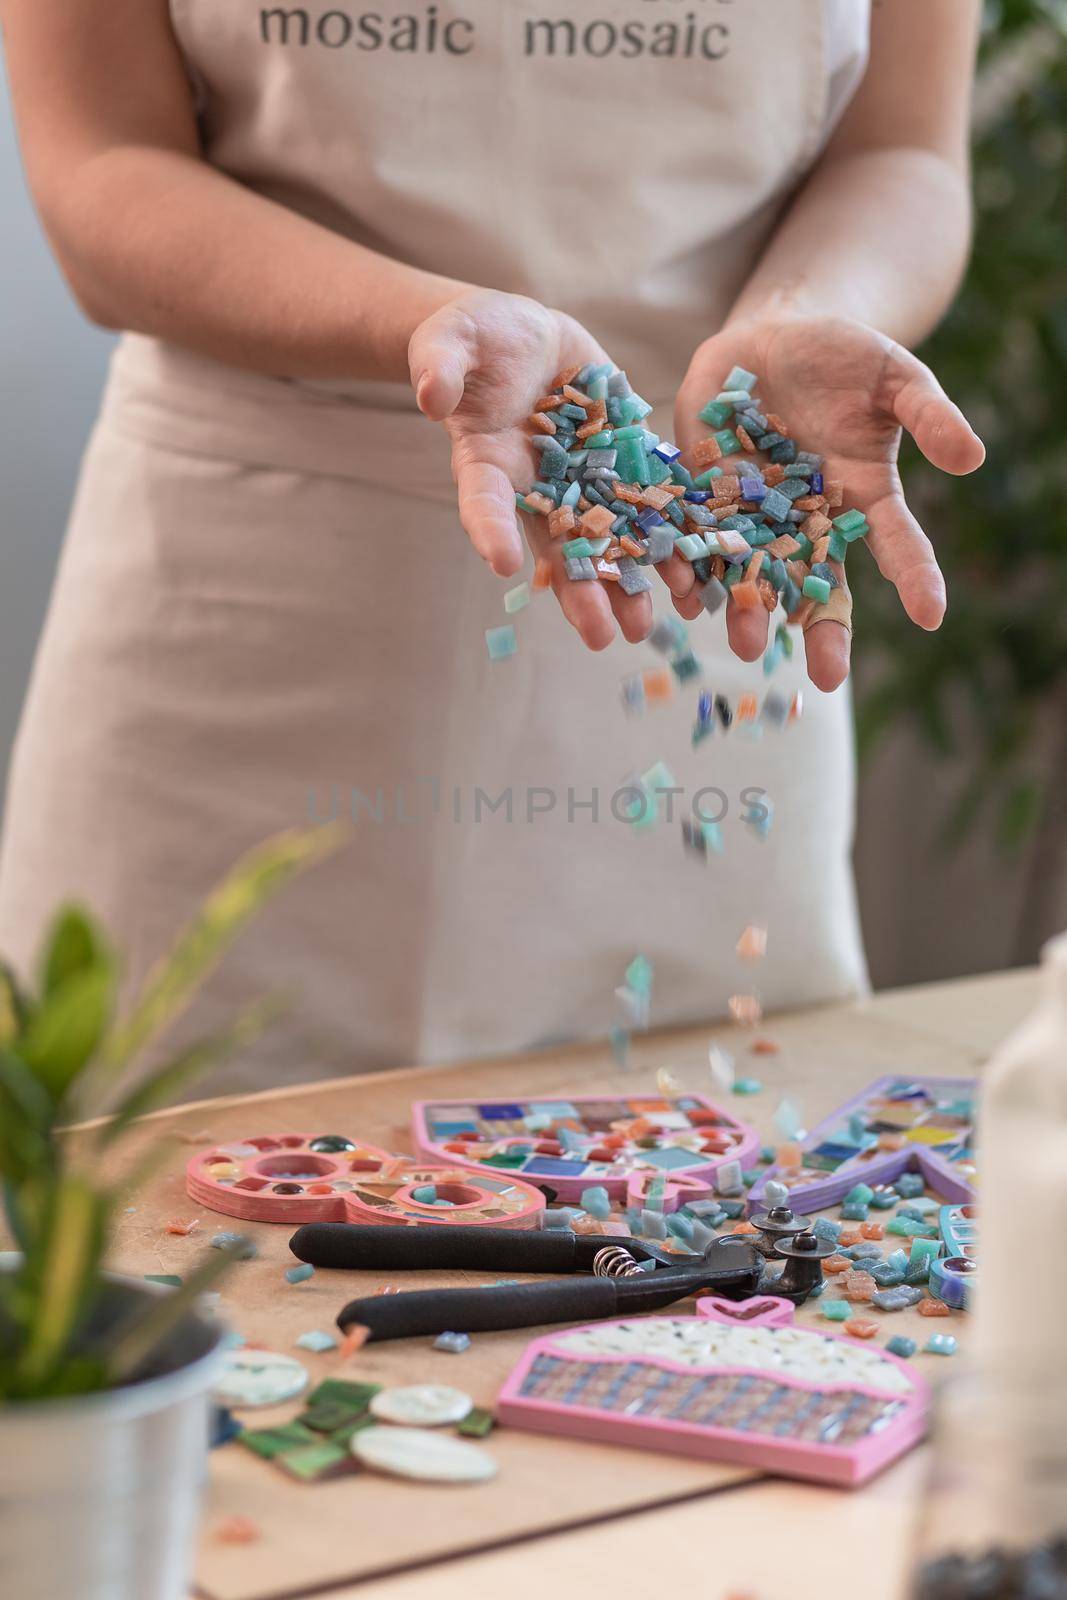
845, 392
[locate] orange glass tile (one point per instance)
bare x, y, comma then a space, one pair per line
861, 1328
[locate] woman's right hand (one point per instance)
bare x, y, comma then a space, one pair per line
478, 366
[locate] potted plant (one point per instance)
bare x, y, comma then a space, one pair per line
987, 693
105, 1382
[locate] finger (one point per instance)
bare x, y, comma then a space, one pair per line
633, 612
487, 512
439, 357
747, 630
935, 422
828, 650
688, 605
906, 557
586, 607
828, 637
678, 575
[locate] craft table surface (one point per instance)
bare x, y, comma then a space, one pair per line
607, 1518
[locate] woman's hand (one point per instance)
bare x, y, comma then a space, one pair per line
478, 366
845, 392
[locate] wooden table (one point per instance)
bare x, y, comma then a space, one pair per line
592, 1516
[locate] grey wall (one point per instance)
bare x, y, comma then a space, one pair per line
51, 370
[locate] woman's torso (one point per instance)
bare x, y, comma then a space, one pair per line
624, 160
235, 622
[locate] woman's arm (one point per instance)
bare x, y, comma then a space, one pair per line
869, 253
152, 239
881, 230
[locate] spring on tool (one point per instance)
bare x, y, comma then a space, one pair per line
614, 1262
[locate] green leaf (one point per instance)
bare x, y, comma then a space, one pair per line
25, 1092
68, 1028
26, 1113
79, 1374
63, 1278
132, 1346
74, 945
15, 1220
14, 1007
253, 881
1019, 814
164, 1082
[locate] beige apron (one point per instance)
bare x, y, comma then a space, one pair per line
266, 611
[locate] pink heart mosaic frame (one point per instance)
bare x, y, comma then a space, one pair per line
482, 1135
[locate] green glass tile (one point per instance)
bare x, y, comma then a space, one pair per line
320, 1460
639, 975
716, 413
659, 776
691, 546
329, 1415
729, 443
850, 522
343, 1435
686, 667
356, 1395
271, 1442
501, 642
505, 1158
631, 462
476, 1424
900, 1345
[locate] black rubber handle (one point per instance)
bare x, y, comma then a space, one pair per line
346, 1244
526, 1305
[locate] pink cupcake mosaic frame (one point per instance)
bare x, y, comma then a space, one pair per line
738, 1383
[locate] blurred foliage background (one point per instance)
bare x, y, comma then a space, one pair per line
988, 693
